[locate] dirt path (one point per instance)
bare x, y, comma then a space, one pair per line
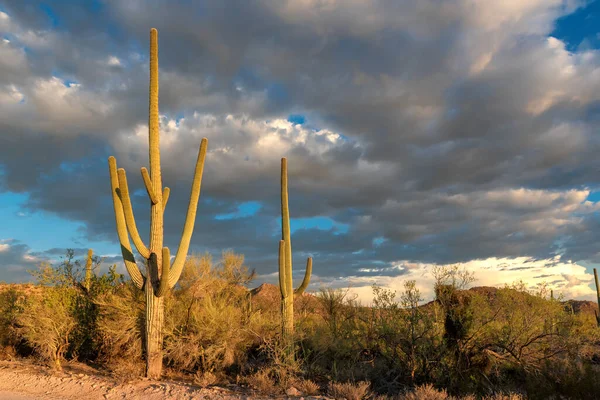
25, 381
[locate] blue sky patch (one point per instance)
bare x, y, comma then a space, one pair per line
244, 210
593, 197
52, 17
581, 28
41, 230
322, 223
296, 119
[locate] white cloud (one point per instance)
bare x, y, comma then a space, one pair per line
12, 59
5, 23
10, 94
564, 277
113, 61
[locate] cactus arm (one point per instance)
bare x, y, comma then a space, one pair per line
149, 187
597, 286
164, 278
282, 272
166, 193
306, 279
88, 270
190, 218
129, 218
130, 265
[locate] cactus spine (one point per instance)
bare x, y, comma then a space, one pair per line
88, 271
597, 296
285, 267
160, 274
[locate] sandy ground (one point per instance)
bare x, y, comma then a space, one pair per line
20, 380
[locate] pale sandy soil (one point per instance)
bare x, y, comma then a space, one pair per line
21, 380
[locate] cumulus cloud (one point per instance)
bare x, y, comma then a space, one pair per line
16, 259
564, 277
434, 133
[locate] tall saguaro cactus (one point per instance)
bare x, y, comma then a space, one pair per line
285, 267
88, 270
160, 274
597, 297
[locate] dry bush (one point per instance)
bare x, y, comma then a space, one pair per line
210, 324
7, 353
262, 381
307, 387
426, 392
47, 323
349, 390
120, 325
502, 396
205, 379
11, 306
126, 370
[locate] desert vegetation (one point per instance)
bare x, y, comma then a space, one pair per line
511, 341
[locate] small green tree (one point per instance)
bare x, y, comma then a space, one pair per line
47, 323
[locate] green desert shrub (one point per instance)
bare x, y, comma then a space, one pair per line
47, 323
12, 303
475, 343
59, 320
120, 324
210, 323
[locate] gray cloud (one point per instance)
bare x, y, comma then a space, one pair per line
436, 133
16, 261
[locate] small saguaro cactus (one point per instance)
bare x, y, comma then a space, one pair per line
285, 267
160, 274
87, 284
597, 297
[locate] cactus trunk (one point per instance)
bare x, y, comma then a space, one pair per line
154, 305
286, 285
88, 271
287, 327
160, 276
153, 333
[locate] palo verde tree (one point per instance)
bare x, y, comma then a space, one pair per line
286, 285
160, 275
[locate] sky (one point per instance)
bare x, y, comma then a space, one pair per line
418, 134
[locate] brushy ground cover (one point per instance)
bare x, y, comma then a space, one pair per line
507, 343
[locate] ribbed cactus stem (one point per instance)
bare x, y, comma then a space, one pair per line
129, 217
286, 285
128, 258
166, 193
597, 297
306, 279
188, 226
285, 215
287, 300
160, 276
88, 270
163, 284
